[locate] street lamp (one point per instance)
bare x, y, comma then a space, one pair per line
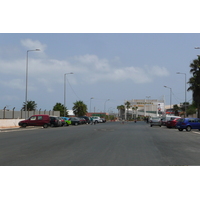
185, 90
105, 105
65, 91
90, 103
26, 95
170, 95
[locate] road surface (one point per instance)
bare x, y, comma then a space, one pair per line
104, 144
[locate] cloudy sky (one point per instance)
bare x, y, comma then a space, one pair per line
129, 54
115, 66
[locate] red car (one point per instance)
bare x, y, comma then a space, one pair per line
172, 123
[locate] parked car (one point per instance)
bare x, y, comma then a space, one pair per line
36, 120
75, 121
55, 121
62, 121
96, 119
103, 120
82, 120
155, 121
165, 119
87, 119
172, 123
67, 121
188, 124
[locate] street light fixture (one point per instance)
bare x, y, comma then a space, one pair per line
26, 95
65, 91
105, 105
170, 95
185, 90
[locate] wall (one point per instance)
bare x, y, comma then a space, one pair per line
9, 123
10, 114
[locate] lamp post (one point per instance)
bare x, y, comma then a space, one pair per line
26, 95
105, 105
170, 95
185, 91
65, 91
90, 103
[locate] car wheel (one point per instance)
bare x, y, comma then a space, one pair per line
45, 126
52, 125
151, 125
180, 129
24, 125
76, 123
188, 128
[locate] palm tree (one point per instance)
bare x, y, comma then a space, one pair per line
60, 107
176, 109
79, 108
127, 104
31, 105
120, 110
194, 83
134, 108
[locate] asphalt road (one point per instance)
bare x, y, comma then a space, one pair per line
105, 144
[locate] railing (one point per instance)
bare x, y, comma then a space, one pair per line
12, 114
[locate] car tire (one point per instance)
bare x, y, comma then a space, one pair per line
76, 123
180, 129
151, 125
45, 126
24, 125
188, 128
52, 125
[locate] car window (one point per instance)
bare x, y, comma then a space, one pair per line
191, 120
39, 117
33, 118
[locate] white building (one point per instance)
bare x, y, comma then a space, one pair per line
144, 107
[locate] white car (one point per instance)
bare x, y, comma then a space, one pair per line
96, 119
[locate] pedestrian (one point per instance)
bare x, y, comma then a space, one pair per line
91, 120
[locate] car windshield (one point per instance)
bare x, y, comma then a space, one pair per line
155, 118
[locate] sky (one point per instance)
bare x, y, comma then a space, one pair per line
131, 51
117, 50
114, 66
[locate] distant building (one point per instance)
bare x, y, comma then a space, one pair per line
143, 107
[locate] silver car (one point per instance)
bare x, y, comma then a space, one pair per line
155, 121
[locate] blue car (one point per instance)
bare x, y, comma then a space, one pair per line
188, 124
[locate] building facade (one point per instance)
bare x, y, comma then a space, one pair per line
142, 107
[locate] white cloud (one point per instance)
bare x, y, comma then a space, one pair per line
31, 45
86, 68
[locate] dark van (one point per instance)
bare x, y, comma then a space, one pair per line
36, 120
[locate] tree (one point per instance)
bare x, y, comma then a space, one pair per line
120, 110
60, 107
31, 105
194, 83
79, 108
191, 109
128, 105
133, 109
176, 109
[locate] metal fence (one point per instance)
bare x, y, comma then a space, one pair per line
11, 114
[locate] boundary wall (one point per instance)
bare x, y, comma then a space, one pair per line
10, 114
